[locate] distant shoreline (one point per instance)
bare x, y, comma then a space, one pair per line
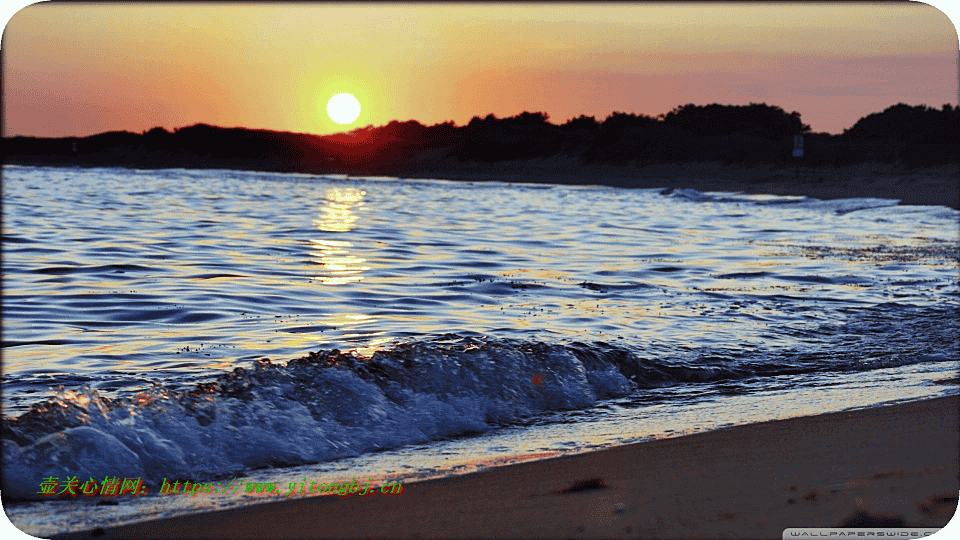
930, 186
936, 185
909, 153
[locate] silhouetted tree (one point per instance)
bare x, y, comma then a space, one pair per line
755, 119
527, 119
917, 135
581, 122
604, 146
158, 137
439, 135
906, 122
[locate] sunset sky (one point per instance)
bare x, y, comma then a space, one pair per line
79, 70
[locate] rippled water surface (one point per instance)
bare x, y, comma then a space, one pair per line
528, 312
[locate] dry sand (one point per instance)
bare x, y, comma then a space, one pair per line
897, 462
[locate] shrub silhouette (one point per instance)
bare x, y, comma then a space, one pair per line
758, 119
754, 133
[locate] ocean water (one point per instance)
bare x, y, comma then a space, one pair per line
222, 326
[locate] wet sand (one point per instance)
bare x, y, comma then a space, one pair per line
895, 465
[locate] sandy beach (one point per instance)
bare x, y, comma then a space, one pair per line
892, 466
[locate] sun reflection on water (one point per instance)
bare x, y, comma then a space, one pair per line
338, 209
338, 215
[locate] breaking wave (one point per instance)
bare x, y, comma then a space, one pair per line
332, 404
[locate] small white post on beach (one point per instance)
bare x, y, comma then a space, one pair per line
797, 151
798, 145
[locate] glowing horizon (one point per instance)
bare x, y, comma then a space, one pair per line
77, 70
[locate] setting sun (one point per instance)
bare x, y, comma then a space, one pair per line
343, 108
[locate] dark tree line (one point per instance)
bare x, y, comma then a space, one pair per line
755, 133
910, 123
914, 134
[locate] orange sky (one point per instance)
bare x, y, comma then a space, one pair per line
80, 70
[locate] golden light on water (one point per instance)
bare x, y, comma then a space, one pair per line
340, 267
337, 215
337, 209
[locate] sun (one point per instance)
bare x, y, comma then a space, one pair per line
343, 108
